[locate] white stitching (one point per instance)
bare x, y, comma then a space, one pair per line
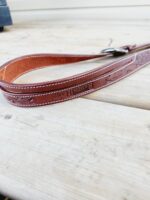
52, 102
54, 92
60, 83
79, 95
74, 96
36, 56
69, 98
84, 93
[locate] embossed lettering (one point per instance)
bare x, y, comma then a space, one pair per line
81, 89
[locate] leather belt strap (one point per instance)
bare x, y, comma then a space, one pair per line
44, 93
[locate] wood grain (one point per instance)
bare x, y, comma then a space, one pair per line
50, 4
82, 149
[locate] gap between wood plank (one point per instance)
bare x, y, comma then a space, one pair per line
80, 8
115, 103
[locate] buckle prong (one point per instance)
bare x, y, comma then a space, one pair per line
115, 51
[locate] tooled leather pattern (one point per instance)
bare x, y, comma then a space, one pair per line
19, 100
134, 62
142, 58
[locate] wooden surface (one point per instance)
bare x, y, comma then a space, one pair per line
91, 148
50, 4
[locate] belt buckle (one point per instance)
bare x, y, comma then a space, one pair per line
115, 51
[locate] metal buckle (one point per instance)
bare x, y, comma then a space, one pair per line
115, 51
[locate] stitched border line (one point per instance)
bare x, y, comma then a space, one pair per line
66, 81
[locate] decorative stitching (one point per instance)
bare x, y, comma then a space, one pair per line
74, 96
62, 82
63, 90
135, 68
52, 102
79, 95
37, 56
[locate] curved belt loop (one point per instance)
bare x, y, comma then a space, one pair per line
50, 92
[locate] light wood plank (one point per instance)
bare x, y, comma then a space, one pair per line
80, 149
98, 13
50, 4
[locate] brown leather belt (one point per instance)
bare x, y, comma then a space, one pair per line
44, 93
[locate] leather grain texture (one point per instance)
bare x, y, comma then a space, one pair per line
44, 93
